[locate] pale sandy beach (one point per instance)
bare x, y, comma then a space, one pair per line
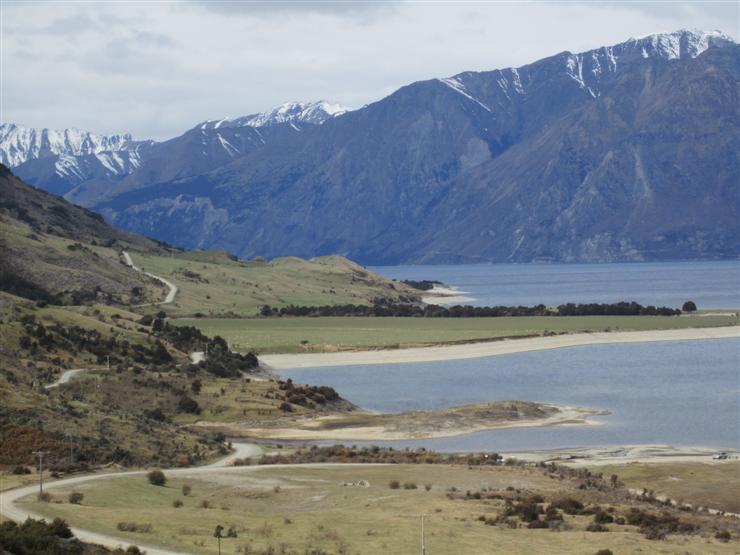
625, 454
490, 348
445, 295
451, 422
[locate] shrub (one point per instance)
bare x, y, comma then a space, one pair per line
75, 497
600, 517
568, 505
595, 527
723, 535
538, 524
689, 306
409, 485
394, 484
604, 552
134, 527
186, 489
45, 497
20, 469
428, 487
177, 503
157, 478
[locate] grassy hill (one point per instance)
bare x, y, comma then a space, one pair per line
215, 283
54, 251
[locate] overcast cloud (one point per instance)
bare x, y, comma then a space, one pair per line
155, 69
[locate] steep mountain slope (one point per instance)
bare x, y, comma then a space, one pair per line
52, 250
626, 152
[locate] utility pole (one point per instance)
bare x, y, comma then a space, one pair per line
423, 544
107, 361
40, 454
218, 535
71, 447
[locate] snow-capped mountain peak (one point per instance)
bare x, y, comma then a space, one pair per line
684, 43
587, 69
19, 144
290, 112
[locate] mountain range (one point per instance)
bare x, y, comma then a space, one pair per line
625, 152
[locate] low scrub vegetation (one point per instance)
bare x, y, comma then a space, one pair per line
386, 309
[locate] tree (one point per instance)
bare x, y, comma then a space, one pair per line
218, 535
196, 386
689, 306
157, 478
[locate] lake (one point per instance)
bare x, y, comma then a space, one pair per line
713, 284
677, 393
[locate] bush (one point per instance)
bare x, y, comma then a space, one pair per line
394, 484
186, 489
20, 469
75, 497
604, 552
723, 535
177, 503
594, 527
134, 527
689, 306
157, 478
568, 505
409, 485
538, 524
35, 537
188, 405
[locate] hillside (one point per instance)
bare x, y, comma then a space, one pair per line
214, 283
54, 251
625, 152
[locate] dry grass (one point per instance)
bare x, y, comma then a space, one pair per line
310, 507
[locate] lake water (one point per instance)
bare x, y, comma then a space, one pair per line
708, 284
676, 393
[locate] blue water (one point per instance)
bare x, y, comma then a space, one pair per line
677, 393
708, 284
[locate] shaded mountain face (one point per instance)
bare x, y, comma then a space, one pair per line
626, 152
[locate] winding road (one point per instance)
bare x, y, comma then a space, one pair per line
9, 498
65, 377
170, 298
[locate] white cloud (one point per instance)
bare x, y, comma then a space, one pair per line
156, 69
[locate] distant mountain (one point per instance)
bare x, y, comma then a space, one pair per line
61, 161
295, 112
625, 152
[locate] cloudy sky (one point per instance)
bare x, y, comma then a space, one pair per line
156, 68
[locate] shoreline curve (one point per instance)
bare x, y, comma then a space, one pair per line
279, 362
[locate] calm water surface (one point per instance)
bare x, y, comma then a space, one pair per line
709, 284
677, 393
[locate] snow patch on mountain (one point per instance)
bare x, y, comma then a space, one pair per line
291, 112
588, 68
19, 144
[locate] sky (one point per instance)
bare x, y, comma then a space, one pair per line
155, 69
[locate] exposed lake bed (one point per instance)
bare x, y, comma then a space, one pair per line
680, 393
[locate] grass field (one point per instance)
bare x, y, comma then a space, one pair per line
709, 485
285, 335
213, 283
296, 509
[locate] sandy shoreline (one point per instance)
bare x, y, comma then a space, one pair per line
445, 295
625, 454
405, 426
490, 348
